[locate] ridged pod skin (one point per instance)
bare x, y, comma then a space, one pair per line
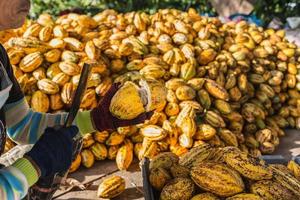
67, 93
163, 160
246, 165
87, 158
88, 140
294, 168
196, 154
75, 164
112, 152
53, 55
115, 138
101, 136
40, 102
56, 102
245, 196
159, 177
178, 188
31, 62
99, 151
47, 86
286, 180
125, 155
153, 132
111, 187
178, 171
45, 34
217, 178
270, 190
69, 68
205, 196
216, 90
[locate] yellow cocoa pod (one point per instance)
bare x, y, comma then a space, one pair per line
225, 182
28, 45
88, 140
69, 56
214, 119
115, 139
59, 32
69, 68
174, 83
111, 187
32, 31
53, 70
39, 73
127, 103
73, 44
17, 71
67, 93
88, 98
188, 71
57, 43
40, 102
104, 86
125, 155
149, 149
178, 188
228, 137
137, 148
45, 34
156, 94
101, 136
207, 56
205, 132
87, 158
47, 86
153, 132
159, 177
56, 102
196, 83
205, 196
172, 109
91, 50
45, 19
61, 79
75, 164
117, 65
185, 93
153, 71
216, 90
53, 55
31, 62
244, 196
99, 151
223, 106
112, 152
15, 56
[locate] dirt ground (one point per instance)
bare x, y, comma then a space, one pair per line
91, 178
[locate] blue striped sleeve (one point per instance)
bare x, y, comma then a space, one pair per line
13, 184
25, 126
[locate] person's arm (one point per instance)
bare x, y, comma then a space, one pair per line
25, 126
16, 179
51, 154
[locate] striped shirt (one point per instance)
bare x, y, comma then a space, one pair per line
24, 126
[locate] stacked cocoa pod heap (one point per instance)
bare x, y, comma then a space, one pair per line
232, 84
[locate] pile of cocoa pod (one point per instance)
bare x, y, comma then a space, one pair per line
232, 84
222, 173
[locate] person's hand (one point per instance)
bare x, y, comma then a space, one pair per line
53, 151
104, 120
